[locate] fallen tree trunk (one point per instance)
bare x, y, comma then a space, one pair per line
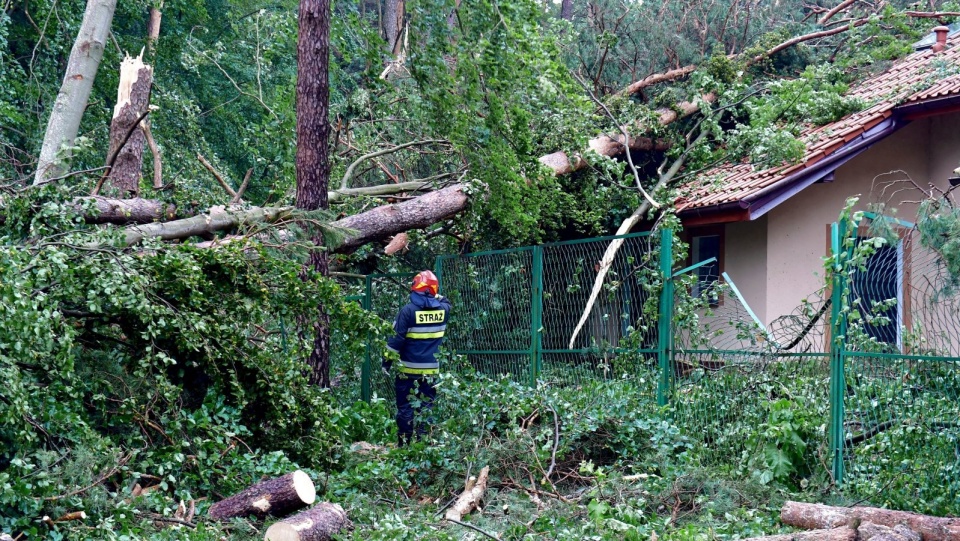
388, 220
126, 211
818, 516
318, 523
471, 496
275, 497
607, 146
843, 533
218, 219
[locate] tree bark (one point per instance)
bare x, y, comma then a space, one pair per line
219, 219
844, 533
471, 496
319, 523
125, 155
388, 220
153, 30
393, 24
817, 516
566, 10
277, 497
312, 160
85, 57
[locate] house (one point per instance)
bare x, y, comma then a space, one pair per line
769, 228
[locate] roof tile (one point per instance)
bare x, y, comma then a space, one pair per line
911, 80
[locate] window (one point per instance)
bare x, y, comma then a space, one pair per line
706, 244
877, 290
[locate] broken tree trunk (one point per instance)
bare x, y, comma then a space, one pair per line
471, 496
127, 138
818, 516
275, 497
67, 110
319, 523
844, 533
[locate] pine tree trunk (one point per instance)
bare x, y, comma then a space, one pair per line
312, 162
393, 24
127, 138
85, 57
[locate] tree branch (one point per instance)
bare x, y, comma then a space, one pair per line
344, 182
216, 175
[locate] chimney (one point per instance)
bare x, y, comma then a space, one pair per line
941, 44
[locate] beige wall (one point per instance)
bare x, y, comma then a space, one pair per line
927, 150
745, 261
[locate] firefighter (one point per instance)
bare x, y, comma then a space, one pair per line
419, 329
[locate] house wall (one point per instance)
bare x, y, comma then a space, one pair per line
797, 231
745, 261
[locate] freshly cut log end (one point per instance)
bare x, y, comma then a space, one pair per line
319, 523
304, 487
275, 497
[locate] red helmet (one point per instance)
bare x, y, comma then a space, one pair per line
426, 281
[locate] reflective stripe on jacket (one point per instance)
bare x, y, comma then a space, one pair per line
419, 329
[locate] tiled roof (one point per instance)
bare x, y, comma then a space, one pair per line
919, 77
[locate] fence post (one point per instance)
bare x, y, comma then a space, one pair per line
536, 315
837, 339
365, 393
665, 322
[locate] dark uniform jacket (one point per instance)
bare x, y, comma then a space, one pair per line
419, 331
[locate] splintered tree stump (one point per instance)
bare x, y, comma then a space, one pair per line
835, 534
319, 523
817, 516
127, 139
275, 497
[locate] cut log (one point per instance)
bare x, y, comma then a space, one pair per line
843, 533
869, 531
276, 497
470, 498
319, 523
127, 140
818, 516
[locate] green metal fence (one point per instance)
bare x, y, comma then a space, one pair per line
520, 311
872, 360
895, 424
